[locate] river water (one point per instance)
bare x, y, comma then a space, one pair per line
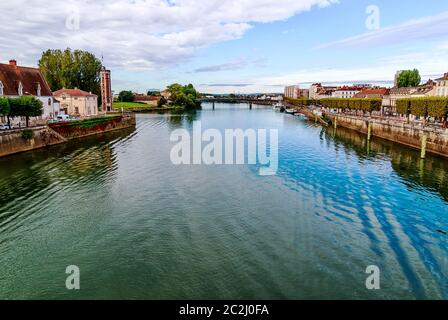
139, 227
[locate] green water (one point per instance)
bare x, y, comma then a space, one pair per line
139, 227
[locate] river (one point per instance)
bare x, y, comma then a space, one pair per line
139, 227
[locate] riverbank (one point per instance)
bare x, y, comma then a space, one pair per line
18, 141
424, 138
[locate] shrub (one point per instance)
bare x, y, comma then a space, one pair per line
27, 134
419, 107
437, 107
404, 106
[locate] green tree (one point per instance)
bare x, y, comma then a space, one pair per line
409, 78
185, 97
71, 69
126, 96
4, 107
162, 102
26, 106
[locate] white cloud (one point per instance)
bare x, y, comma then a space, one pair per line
134, 34
431, 63
418, 29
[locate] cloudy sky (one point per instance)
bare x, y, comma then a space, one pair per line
235, 45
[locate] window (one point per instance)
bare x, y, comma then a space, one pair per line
20, 89
39, 90
49, 102
1, 88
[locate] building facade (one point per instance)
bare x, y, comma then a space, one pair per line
77, 103
429, 89
17, 81
441, 89
346, 92
292, 92
106, 90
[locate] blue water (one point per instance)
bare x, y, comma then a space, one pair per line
139, 227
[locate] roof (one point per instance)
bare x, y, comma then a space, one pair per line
373, 93
445, 77
346, 88
11, 76
73, 93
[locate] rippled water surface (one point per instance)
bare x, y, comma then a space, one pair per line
140, 227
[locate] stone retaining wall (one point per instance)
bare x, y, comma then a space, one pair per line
407, 134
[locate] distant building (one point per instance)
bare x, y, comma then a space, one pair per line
166, 94
16, 81
346, 92
442, 86
150, 100
77, 103
378, 93
426, 90
317, 91
106, 90
292, 92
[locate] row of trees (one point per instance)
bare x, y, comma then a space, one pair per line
26, 106
367, 105
423, 107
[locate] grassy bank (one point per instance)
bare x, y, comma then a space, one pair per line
130, 105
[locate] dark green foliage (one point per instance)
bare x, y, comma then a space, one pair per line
162, 102
185, 97
71, 69
4, 106
409, 78
126, 96
27, 134
26, 106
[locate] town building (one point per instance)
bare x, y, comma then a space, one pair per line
16, 81
149, 100
376, 93
77, 103
441, 89
346, 92
106, 90
429, 89
166, 94
295, 92
317, 91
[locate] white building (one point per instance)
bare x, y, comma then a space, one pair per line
17, 81
441, 89
346, 92
77, 103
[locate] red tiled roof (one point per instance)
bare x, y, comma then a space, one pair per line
11, 76
373, 93
73, 93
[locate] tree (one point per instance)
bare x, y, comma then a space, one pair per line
71, 69
126, 96
4, 107
162, 102
26, 106
409, 78
185, 97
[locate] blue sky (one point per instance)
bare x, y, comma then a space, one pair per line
236, 45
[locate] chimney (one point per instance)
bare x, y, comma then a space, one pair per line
13, 63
